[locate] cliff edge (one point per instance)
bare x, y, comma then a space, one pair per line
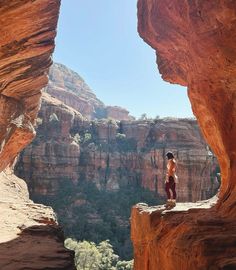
195, 47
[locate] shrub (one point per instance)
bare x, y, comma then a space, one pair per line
120, 136
89, 256
87, 137
77, 138
53, 118
125, 265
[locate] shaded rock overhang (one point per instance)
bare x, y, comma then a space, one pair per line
195, 43
31, 237
28, 30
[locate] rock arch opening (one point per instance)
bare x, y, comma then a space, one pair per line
63, 157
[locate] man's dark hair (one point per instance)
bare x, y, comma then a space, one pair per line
169, 155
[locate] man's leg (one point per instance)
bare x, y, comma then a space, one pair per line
167, 188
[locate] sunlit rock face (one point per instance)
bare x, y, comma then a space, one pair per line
195, 46
30, 238
54, 155
68, 86
30, 235
26, 47
118, 113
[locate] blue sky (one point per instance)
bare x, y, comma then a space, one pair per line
99, 40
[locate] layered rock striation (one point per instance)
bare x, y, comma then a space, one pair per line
70, 154
70, 149
31, 237
195, 46
67, 86
26, 47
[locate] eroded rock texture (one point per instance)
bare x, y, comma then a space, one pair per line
26, 47
30, 237
70, 149
195, 46
68, 86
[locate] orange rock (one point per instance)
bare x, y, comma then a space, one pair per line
55, 157
68, 86
118, 113
30, 236
195, 46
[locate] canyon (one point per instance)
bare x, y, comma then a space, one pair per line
116, 153
195, 47
72, 154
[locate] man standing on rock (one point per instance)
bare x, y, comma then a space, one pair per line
171, 180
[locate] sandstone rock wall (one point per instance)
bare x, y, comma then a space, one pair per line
118, 113
67, 86
30, 236
115, 155
195, 47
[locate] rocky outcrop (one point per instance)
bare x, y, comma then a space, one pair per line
195, 46
71, 154
26, 47
118, 113
30, 236
67, 86
54, 156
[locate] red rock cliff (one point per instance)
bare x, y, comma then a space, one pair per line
31, 238
116, 155
195, 46
68, 86
57, 155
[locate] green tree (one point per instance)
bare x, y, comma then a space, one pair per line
87, 137
87, 256
77, 138
125, 265
143, 116
120, 136
71, 243
108, 259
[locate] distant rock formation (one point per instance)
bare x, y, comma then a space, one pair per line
67, 86
118, 113
114, 154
